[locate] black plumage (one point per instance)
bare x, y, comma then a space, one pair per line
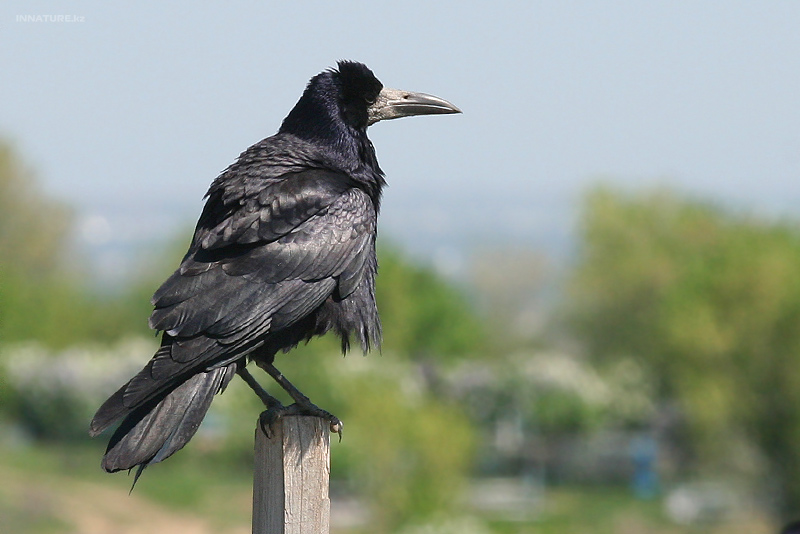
284, 250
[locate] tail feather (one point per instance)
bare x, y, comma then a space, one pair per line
154, 431
110, 412
138, 391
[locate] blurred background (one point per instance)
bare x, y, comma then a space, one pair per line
590, 280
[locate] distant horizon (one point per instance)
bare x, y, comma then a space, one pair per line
129, 114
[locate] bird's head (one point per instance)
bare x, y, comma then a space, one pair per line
368, 101
359, 99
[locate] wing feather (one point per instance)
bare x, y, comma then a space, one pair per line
228, 293
277, 238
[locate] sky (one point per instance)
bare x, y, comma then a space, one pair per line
129, 111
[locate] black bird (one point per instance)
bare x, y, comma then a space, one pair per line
284, 250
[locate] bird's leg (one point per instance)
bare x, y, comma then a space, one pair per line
302, 404
274, 406
268, 400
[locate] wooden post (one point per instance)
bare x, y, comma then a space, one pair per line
291, 479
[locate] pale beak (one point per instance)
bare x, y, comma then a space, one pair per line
394, 103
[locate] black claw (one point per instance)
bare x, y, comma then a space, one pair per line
301, 406
337, 427
334, 423
271, 416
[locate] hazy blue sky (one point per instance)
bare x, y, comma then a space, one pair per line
130, 112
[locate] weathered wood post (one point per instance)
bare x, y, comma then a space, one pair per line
291, 478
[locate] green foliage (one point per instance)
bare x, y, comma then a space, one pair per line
406, 450
33, 228
41, 297
423, 315
33, 231
711, 302
410, 451
58, 311
52, 395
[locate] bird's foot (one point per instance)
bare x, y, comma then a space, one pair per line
271, 416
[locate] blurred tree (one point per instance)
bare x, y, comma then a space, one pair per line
33, 228
406, 452
33, 233
408, 449
514, 286
711, 301
423, 315
42, 297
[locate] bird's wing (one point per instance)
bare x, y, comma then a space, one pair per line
228, 295
274, 260
246, 209
262, 259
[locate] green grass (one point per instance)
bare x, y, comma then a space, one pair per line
36, 481
592, 510
32, 517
